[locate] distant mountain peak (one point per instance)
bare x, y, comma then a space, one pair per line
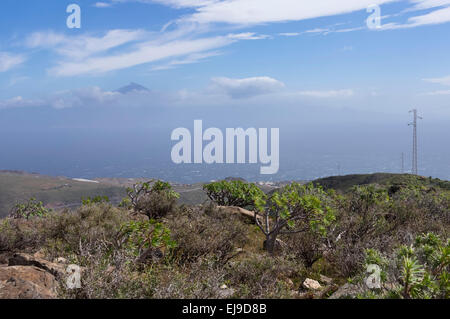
132, 87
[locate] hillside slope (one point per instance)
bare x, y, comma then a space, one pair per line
60, 192
55, 192
345, 183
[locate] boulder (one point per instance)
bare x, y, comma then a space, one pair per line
348, 291
26, 282
22, 259
311, 284
226, 292
326, 280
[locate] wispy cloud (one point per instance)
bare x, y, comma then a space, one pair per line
438, 16
327, 94
121, 49
443, 80
143, 53
264, 11
435, 93
9, 61
102, 5
92, 96
427, 4
80, 47
190, 59
248, 36
289, 34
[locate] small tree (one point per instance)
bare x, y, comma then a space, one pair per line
153, 199
95, 200
295, 209
32, 208
142, 238
234, 193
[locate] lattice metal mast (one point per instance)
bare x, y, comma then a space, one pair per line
403, 163
414, 169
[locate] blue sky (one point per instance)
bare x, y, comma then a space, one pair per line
322, 51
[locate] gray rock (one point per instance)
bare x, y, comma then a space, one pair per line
348, 291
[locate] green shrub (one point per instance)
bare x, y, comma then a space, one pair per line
95, 200
202, 232
32, 208
234, 193
419, 271
139, 236
153, 199
295, 209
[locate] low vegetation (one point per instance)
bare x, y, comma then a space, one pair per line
151, 247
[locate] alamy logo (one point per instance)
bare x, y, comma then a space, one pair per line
73, 280
373, 281
236, 147
74, 19
374, 20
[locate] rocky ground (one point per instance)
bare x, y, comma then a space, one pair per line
24, 276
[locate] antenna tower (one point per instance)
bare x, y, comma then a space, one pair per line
414, 169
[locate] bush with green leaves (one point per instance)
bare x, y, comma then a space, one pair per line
154, 199
234, 193
142, 237
295, 209
206, 232
32, 208
95, 200
418, 271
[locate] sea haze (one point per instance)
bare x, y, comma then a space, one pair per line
307, 151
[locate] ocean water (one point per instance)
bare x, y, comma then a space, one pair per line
90, 154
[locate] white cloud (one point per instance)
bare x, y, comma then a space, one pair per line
144, 53
9, 61
263, 91
325, 31
83, 46
427, 4
248, 87
190, 59
82, 97
289, 34
173, 3
438, 16
327, 94
248, 12
443, 81
248, 36
435, 93
435, 17
102, 5
91, 96
19, 101
120, 49
264, 11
